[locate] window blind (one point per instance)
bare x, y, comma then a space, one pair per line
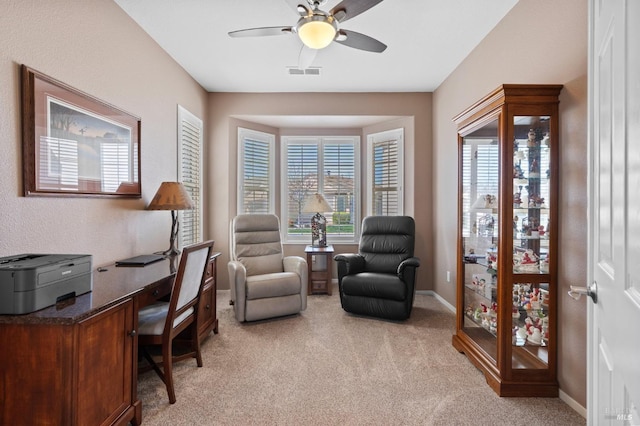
385, 176
190, 174
330, 166
255, 172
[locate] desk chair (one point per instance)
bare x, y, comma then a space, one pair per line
159, 324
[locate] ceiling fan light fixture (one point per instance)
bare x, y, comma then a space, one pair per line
317, 31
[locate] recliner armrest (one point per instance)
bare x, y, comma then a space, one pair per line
354, 262
412, 262
298, 265
237, 284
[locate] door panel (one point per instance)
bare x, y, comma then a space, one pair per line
614, 223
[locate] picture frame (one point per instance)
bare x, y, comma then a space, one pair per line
74, 144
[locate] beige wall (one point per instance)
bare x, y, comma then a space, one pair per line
414, 108
95, 47
538, 41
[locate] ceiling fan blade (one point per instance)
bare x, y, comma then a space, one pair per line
347, 9
260, 32
300, 6
306, 57
360, 41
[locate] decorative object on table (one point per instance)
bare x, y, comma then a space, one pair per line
172, 196
316, 204
74, 144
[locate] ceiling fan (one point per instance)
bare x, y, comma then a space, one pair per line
317, 29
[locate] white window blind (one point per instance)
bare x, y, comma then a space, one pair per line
480, 175
114, 164
328, 165
256, 172
385, 176
58, 163
190, 137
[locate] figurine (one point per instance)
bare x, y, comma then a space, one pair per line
534, 169
531, 141
535, 337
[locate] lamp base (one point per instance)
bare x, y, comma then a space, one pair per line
171, 252
318, 230
175, 226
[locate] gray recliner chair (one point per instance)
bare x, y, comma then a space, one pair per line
264, 283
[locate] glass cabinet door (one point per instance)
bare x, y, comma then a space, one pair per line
530, 254
506, 298
480, 225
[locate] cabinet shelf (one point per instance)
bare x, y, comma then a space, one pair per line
506, 300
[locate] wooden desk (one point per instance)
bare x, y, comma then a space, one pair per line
75, 363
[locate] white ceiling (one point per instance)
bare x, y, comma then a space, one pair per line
426, 39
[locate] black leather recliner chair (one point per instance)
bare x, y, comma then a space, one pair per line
379, 281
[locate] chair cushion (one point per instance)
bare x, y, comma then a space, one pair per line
377, 285
256, 243
386, 241
152, 318
273, 285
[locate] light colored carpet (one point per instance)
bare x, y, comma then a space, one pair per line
327, 367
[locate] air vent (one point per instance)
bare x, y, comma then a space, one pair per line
306, 71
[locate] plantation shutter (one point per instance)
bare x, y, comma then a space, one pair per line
114, 164
385, 192
338, 184
190, 174
256, 174
302, 178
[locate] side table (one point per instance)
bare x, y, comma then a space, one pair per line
319, 264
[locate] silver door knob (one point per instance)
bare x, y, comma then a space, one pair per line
591, 291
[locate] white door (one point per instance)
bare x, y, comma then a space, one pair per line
614, 213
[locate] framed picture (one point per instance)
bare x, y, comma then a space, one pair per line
74, 144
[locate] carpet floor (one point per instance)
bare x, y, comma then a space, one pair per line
327, 367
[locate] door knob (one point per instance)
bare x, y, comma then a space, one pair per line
591, 291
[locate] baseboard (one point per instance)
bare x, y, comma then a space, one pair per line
440, 299
572, 403
562, 395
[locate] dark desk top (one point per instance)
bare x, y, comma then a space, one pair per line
110, 287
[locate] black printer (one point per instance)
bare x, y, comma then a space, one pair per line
30, 282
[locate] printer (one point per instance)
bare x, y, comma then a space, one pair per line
30, 282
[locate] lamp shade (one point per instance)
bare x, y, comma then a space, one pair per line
316, 203
316, 31
171, 196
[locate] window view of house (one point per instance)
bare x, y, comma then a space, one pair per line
325, 165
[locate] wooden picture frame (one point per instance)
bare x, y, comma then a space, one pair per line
74, 144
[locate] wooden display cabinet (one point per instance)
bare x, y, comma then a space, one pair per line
506, 319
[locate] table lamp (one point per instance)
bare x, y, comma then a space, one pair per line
172, 196
315, 204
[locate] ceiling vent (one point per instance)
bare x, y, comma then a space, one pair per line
306, 71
